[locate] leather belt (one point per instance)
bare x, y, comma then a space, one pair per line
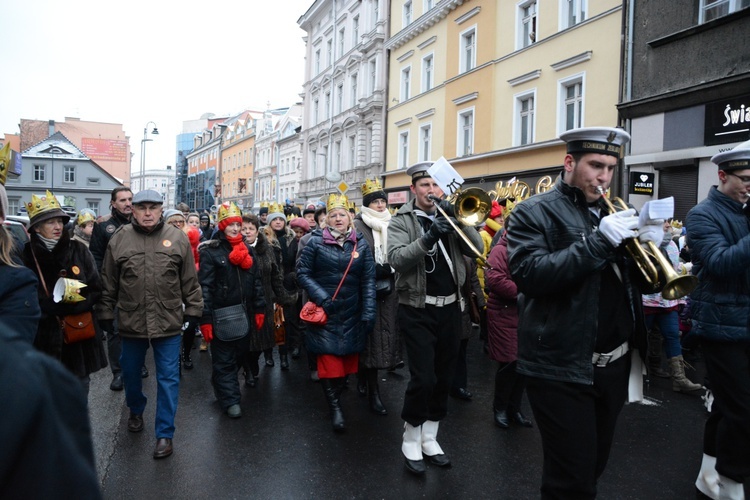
603, 359
440, 300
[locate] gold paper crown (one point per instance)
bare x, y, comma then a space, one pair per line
676, 224
290, 217
275, 208
337, 201
39, 205
228, 209
84, 217
370, 186
509, 206
68, 291
6, 156
263, 204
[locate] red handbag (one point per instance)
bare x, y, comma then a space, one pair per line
312, 313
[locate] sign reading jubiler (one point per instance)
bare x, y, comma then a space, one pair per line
642, 183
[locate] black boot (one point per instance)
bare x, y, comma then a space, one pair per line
362, 381
284, 361
332, 390
187, 361
376, 405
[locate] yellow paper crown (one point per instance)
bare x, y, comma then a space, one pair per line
337, 201
290, 217
275, 208
228, 209
509, 206
68, 291
676, 224
263, 204
370, 186
84, 217
6, 156
39, 205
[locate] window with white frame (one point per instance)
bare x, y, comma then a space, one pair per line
373, 75
428, 71
368, 143
313, 164
403, 149
428, 4
571, 103
355, 30
336, 156
317, 61
353, 88
527, 22
405, 83
40, 173
465, 142
328, 105
329, 52
352, 146
315, 111
425, 142
408, 13
69, 174
326, 160
468, 54
340, 97
375, 11
525, 116
712, 9
572, 12
14, 205
342, 41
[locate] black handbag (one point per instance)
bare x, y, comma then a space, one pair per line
231, 323
383, 287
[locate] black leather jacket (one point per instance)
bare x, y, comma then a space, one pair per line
556, 258
104, 228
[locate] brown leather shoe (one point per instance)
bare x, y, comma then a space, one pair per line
135, 423
163, 448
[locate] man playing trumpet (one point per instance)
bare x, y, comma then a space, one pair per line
580, 310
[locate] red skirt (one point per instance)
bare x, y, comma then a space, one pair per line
332, 366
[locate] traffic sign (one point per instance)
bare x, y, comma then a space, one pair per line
343, 187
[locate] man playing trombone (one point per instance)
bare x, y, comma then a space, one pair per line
718, 232
426, 252
580, 309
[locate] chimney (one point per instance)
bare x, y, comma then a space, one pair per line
51, 127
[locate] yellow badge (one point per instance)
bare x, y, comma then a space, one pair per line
76, 270
166, 243
355, 254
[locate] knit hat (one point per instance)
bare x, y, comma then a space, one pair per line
275, 210
497, 210
204, 218
371, 191
300, 222
172, 213
228, 213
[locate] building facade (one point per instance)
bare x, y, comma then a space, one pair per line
58, 165
203, 164
491, 85
238, 159
343, 126
160, 180
289, 146
686, 95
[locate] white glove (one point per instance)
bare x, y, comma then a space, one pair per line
652, 230
619, 226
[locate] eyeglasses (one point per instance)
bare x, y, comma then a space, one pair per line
743, 178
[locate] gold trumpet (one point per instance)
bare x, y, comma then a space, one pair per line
675, 286
471, 207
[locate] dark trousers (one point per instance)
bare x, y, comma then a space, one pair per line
114, 347
577, 424
460, 376
226, 359
431, 337
728, 429
509, 387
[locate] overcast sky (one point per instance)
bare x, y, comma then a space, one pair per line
137, 61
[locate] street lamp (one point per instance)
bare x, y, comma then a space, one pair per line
154, 131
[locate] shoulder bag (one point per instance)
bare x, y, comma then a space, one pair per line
231, 323
313, 314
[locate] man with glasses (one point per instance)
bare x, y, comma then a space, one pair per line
718, 233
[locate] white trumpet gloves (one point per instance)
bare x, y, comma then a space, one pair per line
652, 230
619, 226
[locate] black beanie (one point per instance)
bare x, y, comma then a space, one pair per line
375, 195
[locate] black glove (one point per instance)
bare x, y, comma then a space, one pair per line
447, 208
440, 226
368, 326
107, 325
189, 323
382, 271
330, 307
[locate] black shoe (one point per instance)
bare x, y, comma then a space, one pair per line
269, 362
144, 372
441, 460
362, 385
163, 448
376, 404
135, 423
251, 381
284, 361
415, 466
520, 419
501, 419
187, 361
116, 384
295, 353
461, 393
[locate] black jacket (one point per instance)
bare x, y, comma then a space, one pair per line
103, 231
556, 258
224, 284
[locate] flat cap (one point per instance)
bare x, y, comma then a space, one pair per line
419, 170
601, 140
147, 196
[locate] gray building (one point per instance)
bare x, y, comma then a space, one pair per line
685, 95
56, 164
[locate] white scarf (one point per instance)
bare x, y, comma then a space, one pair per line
378, 222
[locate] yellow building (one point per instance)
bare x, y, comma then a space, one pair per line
237, 159
491, 84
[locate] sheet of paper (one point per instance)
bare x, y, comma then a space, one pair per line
445, 176
656, 209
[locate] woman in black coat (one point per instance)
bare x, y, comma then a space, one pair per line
229, 277
51, 250
351, 316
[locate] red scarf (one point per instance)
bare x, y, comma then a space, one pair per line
239, 256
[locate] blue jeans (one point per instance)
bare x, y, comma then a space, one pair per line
669, 326
166, 359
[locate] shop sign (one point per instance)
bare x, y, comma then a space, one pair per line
727, 121
398, 197
641, 183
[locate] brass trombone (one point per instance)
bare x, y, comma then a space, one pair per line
471, 206
675, 286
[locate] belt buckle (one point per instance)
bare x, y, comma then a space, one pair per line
603, 360
439, 301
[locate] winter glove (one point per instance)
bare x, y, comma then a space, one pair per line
208, 332
107, 325
189, 323
619, 226
330, 307
447, 208
382, 270
260, 318
440, 226
652, 230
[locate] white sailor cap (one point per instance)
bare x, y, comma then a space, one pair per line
734, 159
602, 140
419, 170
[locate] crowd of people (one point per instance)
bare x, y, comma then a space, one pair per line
558, 301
